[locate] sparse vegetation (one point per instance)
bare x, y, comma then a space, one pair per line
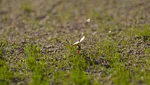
36, 42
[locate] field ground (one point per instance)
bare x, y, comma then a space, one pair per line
36, 38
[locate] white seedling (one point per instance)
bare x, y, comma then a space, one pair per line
109, 32
78, 43
82, 39
88, 20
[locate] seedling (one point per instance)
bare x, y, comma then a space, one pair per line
88, 20
109, 32
78, 43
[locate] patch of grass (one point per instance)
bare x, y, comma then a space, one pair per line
139, 32
6, 75
37, 66
27, 7
79, 77
39, 72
